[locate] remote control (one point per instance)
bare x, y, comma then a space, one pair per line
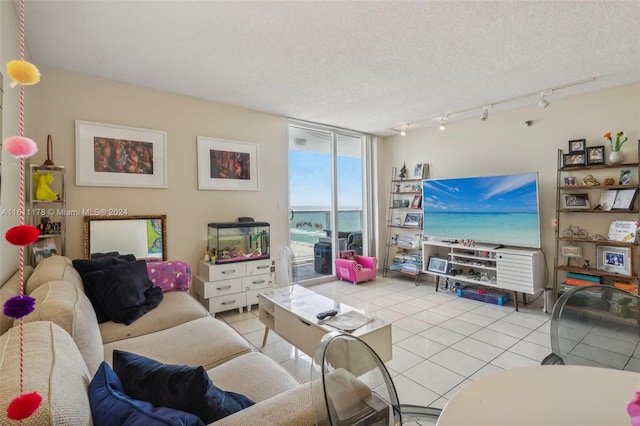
326, 314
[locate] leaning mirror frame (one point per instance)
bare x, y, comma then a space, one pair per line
89, 219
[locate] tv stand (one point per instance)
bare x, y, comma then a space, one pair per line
519, 270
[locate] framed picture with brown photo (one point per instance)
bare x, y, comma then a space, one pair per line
595, 155
417, 202
573, 160
575, 201
577, 146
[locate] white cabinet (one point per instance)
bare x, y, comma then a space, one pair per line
233, 286
519, 270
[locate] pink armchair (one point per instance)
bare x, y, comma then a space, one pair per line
355, 268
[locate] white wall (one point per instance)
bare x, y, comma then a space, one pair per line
9, 49
504, 144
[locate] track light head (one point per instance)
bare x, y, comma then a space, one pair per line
485, 112
543, 102
403, 129
403, 132
443, 122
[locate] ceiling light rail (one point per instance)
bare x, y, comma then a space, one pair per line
543, 102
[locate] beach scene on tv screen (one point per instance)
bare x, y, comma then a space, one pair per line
491, 209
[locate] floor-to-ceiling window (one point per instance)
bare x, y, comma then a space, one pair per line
327, 200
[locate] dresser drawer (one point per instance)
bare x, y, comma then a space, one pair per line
225, 303
207, 289
221, 272
258, 267
300, 333
257, 282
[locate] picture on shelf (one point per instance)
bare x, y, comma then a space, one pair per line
623, 230
625, 176
616, 260
607, 198
577, 145
417, 171
437, 264
412, 219
575, 201
595, 155
572, 160
570, 181
625, 199
397, 204
417, 202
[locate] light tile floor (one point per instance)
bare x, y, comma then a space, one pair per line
441, 343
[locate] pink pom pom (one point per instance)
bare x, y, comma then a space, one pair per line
20, 147
24, 406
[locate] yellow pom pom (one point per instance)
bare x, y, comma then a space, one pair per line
22, 72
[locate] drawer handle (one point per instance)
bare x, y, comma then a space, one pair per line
259, 282
230, 271
263, 267
228, 303
304, 322
227, 287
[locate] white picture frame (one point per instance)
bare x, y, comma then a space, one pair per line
213, 174
607, 198
438, 265
412, 220
120, 156
417, 171
616, 260
625, 199
575, 201
574, 252
623, 230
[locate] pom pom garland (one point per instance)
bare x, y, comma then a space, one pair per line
20, 147
22, 235
24, 406
19, 306
22, 72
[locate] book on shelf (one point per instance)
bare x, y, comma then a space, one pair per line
577, 282
584, 277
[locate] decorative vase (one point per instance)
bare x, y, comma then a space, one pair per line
616, 157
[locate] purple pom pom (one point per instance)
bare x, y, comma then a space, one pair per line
19, 306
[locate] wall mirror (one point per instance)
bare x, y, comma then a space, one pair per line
143, 236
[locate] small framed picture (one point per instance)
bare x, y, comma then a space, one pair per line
397, 204
625, 199
412, 219
569, 181
577, 145
438, 264
575, 201
572, 251
623, 230
607, 198
612, 259
417, 171
595, 155
625, 176
417, 202
572, 160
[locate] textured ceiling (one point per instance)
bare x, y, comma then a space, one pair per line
365, 65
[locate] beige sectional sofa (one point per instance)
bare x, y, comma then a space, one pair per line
64, 346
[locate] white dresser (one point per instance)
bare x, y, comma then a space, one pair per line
234, 285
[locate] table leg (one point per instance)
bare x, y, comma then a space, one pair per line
515, 299
264, 338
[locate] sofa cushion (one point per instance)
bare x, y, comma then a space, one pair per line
239, 375
178, 308
54, 268
53, 367
204, 341
85, 266
177, 386
122, 293
110, 405
9, 289
64, 304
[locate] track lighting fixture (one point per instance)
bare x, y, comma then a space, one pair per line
485, 112
443, 122
543, 102
403, 132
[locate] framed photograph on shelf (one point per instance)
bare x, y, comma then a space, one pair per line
607, 198
120, 156
623, 230
227, 165
595, 155
573, 160
625, 177
417, 202
412, 219
438, 265
577, 145
625, 199
616, 260
417, 171
397, 204
575, 201
570, 181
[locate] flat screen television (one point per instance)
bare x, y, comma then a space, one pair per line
501, 210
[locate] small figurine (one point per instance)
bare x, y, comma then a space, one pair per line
403, 171
589, 180
608, 181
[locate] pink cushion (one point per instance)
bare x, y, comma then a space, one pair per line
170, 275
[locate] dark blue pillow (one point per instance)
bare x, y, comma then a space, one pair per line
110, 406
181, 387
85, 266
122, 293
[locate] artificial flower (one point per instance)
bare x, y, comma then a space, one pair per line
619, 141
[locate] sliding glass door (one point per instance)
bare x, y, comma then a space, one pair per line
327, 211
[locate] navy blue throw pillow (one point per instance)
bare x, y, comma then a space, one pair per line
122, 293
111, 406
180, 387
